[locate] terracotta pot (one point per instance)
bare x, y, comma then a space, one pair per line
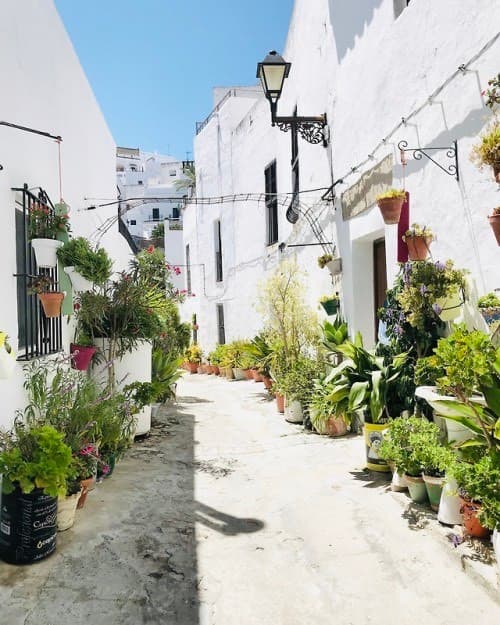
199, 369
496, 173
267, 382
280, 402
495, 226
216, 369
248, 374
192, 367
51, 303
469, 510
256, 375
210, 370
390, 207
418, 247
81, 356
333, 426
87, 486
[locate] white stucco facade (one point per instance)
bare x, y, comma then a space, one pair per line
367, 65
44, 87
150, 176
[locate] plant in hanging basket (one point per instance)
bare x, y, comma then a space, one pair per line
390, 203
330, 303
494, 220
43, 223
418, 240
487, 151
489, 307
51, 300
94, 265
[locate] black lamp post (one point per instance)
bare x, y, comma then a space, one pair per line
272, 72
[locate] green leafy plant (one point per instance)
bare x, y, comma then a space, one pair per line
330, 298
492, 92
166, 372
261, 353
44, 223
327, 400
158, 231
418, 231
94, 265
423, 283
490, 300
35, 457
194, 354
297, 383
323, 260
487, 151
391, 193
42, 283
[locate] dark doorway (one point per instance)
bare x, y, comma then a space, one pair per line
379, 277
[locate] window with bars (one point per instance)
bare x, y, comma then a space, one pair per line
221, 331
218, 251
38, 335
292, 214
188, 270
271, 189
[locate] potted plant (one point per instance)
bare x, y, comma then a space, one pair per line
7, 357
328, 415
390, 204
35, 463
260, 351
418, 240
51, 300
44, 226
324, 259
431, 289
84, 265
297, 387
487, 151
494, 220
193, 356
489, 307
331, 304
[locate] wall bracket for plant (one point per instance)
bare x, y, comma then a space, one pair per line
418, 153
32, 130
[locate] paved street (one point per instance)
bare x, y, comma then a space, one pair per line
227, 515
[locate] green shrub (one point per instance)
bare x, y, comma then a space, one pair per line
95, 265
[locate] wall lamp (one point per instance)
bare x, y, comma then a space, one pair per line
272, 72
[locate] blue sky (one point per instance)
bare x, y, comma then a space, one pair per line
152, 63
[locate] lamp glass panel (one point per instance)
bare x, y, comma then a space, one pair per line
274, 76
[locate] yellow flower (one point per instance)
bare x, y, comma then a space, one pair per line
3, 336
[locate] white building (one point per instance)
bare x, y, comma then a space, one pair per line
44, 88
146, 182
384, 71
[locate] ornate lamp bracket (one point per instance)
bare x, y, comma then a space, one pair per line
312, 129
418, 153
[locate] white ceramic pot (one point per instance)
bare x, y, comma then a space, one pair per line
77, 280
154, 410
451, 306
293, 412
449, 504
66, 511
46, 251
457, 432
133, 366
398, 483
239, 374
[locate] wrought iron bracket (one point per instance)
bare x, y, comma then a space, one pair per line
418, 153
312, 129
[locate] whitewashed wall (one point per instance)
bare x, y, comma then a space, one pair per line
367, 70
43, 86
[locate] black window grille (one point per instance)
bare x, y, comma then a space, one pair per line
271, 187
188, 270
219, 276
221, 331
292, 214
38, 335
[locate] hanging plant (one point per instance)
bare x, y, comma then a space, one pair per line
390, 204
487, 152
418, 240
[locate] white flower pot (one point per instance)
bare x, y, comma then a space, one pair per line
77, 280
451, 306
334, 266
449, 504
239, 374
293, 412
66, 511
46, 252
398, 483
7, 363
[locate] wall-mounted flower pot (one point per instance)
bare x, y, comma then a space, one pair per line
46, 252
418, 247
451, 306
77, 280
81, 356
331, 306
51, 303
334, 266
390, 207
495, 226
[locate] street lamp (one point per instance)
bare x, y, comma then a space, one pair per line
272, 72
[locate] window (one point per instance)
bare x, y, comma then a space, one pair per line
156, 214
221, 331
175, 212
218, 252
139, 182
271, 203
38, 335
173, 172
292, 214
399, 7
133, 222
133, 168
188, 270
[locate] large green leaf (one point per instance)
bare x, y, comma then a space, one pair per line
376, 396
358, 395
496, 430
461, 413
339, 392
492, 396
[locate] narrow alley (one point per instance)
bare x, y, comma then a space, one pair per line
228, 515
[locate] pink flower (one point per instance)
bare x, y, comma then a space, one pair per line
150, 249
193, 295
